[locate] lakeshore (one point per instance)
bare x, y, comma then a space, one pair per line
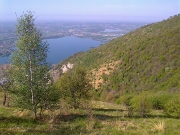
63, 47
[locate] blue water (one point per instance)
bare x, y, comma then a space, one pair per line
62, 48
4, 60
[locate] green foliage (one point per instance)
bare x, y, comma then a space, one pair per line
149, 58
141, 104
108, 119
126, 99
172, 107
32, 82
159, 99
74, 86
149, 61
145, 102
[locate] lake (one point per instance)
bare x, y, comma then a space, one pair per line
62, 48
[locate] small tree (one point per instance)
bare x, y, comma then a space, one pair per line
74, 86
30, 69
141, 103
126, 100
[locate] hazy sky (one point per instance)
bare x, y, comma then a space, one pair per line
101, 10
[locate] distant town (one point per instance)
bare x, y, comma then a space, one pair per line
99, 31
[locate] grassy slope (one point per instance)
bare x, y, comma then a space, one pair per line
149, 58
108, 118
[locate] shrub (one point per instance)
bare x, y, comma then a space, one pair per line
172, 107
141, 104
126, 100
158, 100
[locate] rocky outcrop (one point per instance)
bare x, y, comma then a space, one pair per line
56, 72
66, 67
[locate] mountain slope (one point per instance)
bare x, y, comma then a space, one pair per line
149, 58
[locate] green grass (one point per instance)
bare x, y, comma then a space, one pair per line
107, 119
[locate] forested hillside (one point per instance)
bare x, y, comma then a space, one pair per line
137, 75
148, 59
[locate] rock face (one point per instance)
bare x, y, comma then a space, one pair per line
66, 67
56, 73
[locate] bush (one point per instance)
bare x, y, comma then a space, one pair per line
172, 107
126, 100
141, 104
158, 100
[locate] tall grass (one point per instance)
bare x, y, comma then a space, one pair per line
107, 119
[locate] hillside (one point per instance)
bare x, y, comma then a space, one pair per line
145, 59
139, 71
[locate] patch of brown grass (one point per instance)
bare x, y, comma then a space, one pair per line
104, 69
159, 126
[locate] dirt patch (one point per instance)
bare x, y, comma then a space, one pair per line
104, 69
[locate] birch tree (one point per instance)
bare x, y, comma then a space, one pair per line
30, 69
